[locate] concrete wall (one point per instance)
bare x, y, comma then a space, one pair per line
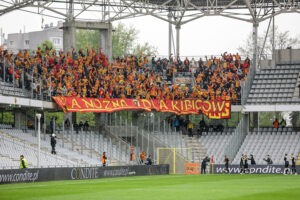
283, 56
267, 63
287, 56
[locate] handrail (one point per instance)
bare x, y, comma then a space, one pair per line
246, 86
237, 137
108, 131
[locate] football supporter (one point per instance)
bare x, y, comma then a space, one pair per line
104, 159
87, 73
276, 123
142, 157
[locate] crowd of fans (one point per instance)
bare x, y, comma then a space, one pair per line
88, 74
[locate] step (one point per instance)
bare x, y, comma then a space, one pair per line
4, 156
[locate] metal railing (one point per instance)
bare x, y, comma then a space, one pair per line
246, 86
93, 144
145, 136
237, 137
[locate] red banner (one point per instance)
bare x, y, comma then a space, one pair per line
212, 109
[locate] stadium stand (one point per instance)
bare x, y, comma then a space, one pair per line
272, 141
89, 75
275, 85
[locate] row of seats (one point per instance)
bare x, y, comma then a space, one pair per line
275, 81
275, 76
280, 66
271, 95
272, 129
267, 91
5, 126
273, 86
274, 100
276, 71
283, 133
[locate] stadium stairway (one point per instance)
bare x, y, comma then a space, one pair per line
198, 151
275, 85
209, 144
270, 141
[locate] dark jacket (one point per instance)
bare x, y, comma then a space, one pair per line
53, 141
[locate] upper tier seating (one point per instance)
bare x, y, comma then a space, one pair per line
275, 85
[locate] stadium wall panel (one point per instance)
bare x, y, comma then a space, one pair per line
78, 173
253, 169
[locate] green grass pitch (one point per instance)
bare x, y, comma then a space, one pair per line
164, 187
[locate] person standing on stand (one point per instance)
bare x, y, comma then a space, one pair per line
86, 126
142, 157
149, 160
23, 162
53, 143
52, 126
132, 157
104, 158
276, 123
190, 128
